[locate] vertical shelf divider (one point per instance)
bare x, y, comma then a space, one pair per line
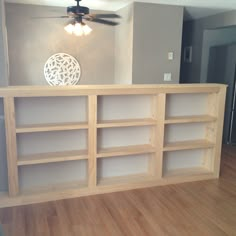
92, 141
11, 145
214, 130
157, 135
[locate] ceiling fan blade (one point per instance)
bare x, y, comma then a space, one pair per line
101, 21
104, 16
51, 17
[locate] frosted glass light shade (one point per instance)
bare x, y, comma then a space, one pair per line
78, 29
87, 30
69, 29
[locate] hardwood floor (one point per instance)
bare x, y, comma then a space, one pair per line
201, 208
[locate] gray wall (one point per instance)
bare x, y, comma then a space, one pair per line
124, 46
222, 70
213, 38
3, 82
3, 47
33, 41
193, 36
157, 31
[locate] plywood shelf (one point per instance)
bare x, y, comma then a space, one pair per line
187, 172
56, 188
185, 145
126, 123
121, 180
51, 127
189, 119
125, 151
52, 157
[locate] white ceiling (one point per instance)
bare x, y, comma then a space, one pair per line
194, 8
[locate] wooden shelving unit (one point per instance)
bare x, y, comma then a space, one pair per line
143, 145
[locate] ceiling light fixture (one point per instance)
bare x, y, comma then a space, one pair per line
78, 28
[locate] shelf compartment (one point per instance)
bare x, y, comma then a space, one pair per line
189, 119
187, 172
51, 127
126, 123
125, 151
52, 157
127, 179
185, 145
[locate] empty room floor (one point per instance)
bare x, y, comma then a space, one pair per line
198, 208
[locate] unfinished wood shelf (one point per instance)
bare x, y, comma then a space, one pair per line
189, 119
125, 151
45, 158
58, 188
187, 172
129, 142
51, 127
121, 180
126, 123
185, 145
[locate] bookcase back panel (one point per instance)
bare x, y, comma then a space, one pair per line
122, 166
43, 110
33, 143
124, 107
52, 174
186, 104
183, 159
185, 132
125, 136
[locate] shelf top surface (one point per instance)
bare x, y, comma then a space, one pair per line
83, 90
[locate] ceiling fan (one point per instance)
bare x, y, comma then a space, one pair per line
79, 13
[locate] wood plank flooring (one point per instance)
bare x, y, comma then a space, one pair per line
201, 208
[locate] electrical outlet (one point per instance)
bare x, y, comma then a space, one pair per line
167, 77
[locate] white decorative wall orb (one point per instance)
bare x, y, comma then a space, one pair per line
62, 69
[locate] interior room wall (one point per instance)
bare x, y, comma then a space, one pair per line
222, 70
3, 82
3, 47
32, 41
124, 46
213, 38
157, 31
193, 32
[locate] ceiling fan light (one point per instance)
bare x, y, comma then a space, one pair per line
78, 30
69, 28
87, 30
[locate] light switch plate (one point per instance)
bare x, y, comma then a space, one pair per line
170, 56
167, 77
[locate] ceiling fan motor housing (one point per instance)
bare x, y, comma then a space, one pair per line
78, 10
